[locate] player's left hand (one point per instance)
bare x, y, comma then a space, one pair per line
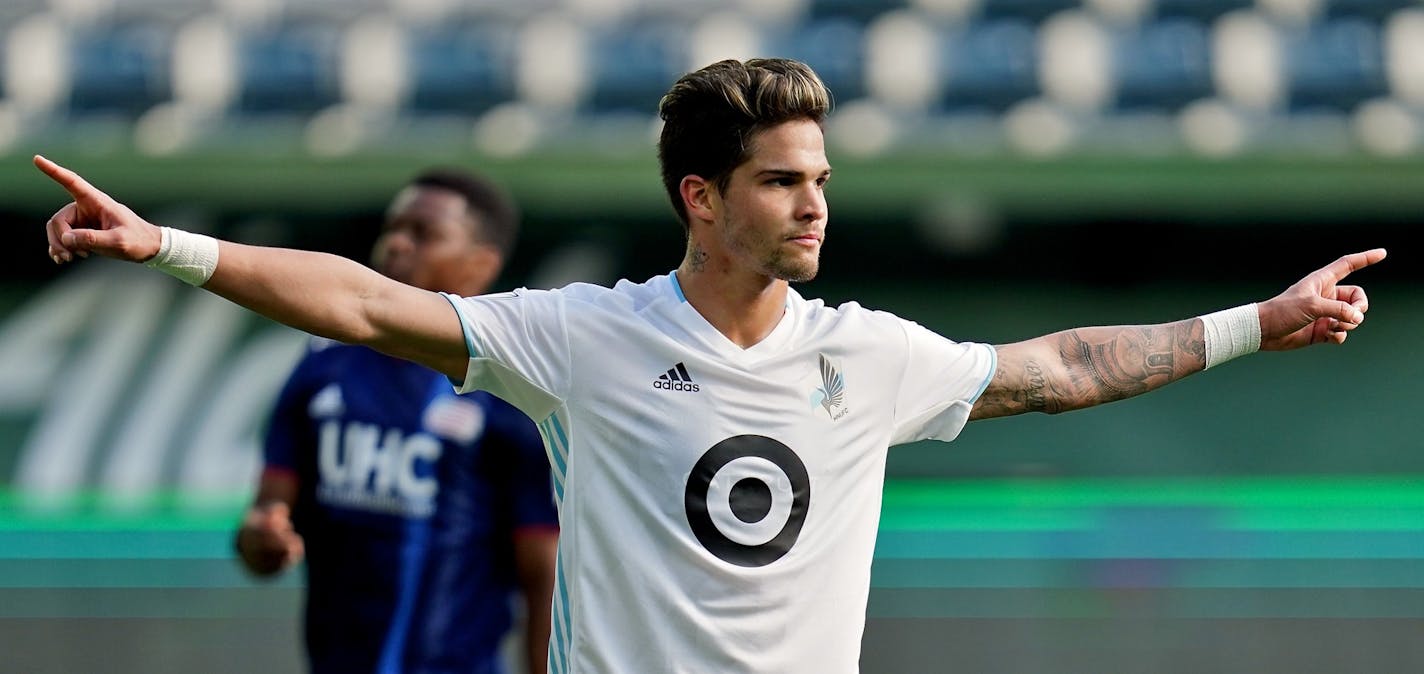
95, 223
1317, 308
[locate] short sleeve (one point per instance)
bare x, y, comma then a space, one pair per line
288, 425
518, 346
941, 381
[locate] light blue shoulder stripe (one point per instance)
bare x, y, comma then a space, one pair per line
464, 327
993, 367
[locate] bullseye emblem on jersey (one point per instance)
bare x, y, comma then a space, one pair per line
746, 499
676, 379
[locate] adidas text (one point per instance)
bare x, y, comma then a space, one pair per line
677, 378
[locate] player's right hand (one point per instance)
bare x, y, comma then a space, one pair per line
95, 223
267, 541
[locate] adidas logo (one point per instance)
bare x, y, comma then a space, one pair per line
676, 379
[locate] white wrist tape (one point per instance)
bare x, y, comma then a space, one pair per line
1230, 333
188, 257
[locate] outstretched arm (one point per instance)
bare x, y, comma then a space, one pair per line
322, 294
1083, 367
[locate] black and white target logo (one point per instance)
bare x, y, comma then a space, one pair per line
746, 499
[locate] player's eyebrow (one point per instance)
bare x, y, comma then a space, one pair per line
788, 173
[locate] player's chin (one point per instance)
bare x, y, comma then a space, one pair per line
798, 273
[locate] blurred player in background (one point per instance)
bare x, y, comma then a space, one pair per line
718, 442
419, 512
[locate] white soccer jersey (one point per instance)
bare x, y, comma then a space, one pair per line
718, 505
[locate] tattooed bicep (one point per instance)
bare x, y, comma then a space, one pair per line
1023, 382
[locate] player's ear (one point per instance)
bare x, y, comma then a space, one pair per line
697, 197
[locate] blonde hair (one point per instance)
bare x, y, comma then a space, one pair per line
710, 117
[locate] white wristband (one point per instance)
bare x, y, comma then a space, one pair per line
1230, 333
188, 257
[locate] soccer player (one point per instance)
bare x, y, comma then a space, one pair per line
718, 441
419, 512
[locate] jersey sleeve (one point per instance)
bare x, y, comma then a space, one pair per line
942, 379
288, 427
518, 346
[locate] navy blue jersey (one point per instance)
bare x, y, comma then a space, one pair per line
409, 497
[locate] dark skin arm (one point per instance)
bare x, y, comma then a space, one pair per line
1083, 367
534, 557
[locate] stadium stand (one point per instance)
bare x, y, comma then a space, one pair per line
1161, 65
463, 68
628, 60
923, 63
121, 68
290, 67
988, 64
834, 47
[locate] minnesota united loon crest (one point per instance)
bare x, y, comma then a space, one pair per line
830, 395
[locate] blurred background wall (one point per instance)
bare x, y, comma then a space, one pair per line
1004, 168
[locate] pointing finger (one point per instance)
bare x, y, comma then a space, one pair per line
69, 180
1354, 262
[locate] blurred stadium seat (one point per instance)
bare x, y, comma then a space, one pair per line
120, 68
988, 65
289, 68
1162, 65
1335, 63
465, 67
1404, 55
834, 47
633, 63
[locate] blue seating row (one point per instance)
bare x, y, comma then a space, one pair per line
989, 63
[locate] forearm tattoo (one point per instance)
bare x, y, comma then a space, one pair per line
1119, 368
1092, 366
1107, 364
